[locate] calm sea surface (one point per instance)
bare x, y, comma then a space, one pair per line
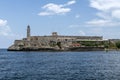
95, 65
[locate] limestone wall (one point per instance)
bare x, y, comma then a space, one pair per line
35, 42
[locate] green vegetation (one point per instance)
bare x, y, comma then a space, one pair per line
59, 44
105, 44
91, 43
118, 44
52, 43
112, 45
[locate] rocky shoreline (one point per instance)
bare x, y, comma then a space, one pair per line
68, 49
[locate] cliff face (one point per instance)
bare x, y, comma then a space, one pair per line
13, 47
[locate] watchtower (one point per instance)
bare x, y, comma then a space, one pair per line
28, 31
54, 34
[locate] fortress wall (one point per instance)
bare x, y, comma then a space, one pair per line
49, 38
40, 41
45, 40
82, 37
18, 42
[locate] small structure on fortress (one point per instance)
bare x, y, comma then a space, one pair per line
57, 42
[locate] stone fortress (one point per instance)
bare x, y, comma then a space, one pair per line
57, 42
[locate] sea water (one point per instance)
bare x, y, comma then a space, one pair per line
93, 65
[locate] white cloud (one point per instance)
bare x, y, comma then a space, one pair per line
3, 22
102, 23
105, 5
116, 14
103, 15
108, 12
71, 2
4, 28
98, 22
53, 9
6, 31
44, 13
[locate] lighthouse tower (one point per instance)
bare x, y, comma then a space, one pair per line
28, 31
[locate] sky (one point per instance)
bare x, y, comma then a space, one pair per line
67, 17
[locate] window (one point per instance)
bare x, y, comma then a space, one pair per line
65, 39
36, 38
35, 45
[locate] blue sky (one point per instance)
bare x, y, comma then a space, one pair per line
67, 17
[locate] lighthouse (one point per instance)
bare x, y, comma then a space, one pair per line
28, 31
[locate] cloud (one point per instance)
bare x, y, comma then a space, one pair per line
3, 22
5, 30
52, 9
105, 5
55, 9
98, 22
102, 23
107, 12
116, 14
70, 2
